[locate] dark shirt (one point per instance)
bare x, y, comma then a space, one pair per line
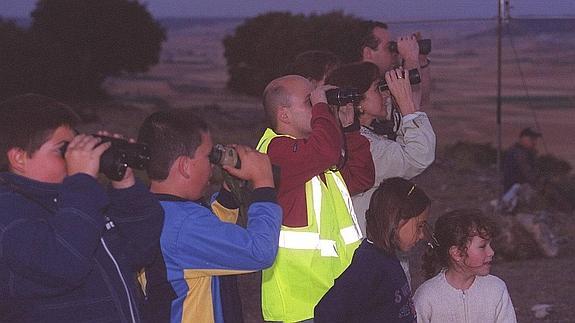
518, 166
373, 288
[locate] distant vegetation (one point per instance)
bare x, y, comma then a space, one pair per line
558, 186
71, 46
263, 47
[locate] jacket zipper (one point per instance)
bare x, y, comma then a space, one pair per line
121, 277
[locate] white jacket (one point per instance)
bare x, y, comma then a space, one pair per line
486, 301
408, 156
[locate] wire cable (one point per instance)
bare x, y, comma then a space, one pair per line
524, 83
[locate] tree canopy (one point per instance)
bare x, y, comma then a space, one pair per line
263, 47
73, 45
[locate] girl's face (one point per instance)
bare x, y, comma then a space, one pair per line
373, 104
479, 256
412, 230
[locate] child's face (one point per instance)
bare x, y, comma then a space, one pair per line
47, 163
412, 230
479, 256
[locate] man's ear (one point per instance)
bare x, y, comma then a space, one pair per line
184, 165
284, 114
17, 158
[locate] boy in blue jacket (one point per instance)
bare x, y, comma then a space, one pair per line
69, 248
200, 244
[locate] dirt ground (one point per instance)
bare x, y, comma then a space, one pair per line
192, 75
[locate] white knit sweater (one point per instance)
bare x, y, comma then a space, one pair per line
486, 301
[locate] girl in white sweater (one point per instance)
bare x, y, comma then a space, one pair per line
462, 291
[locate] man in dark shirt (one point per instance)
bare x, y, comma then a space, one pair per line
518, 165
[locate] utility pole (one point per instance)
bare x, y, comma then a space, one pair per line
503, 4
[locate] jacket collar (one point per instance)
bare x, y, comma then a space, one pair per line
29, 186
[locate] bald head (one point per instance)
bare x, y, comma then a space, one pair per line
279, 92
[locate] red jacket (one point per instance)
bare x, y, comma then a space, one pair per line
300, 160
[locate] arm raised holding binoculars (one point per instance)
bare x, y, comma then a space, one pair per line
400, 88
256, 167
83, 155
412, 56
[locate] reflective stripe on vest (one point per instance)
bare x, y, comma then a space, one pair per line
311, 240
310, 258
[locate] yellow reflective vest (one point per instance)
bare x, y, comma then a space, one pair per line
310, 258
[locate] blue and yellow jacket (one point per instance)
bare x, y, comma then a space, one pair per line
198, 245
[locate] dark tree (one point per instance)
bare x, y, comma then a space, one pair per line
81, 42
14, 68
263, 47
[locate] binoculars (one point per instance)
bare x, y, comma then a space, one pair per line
424, 46
414, 78
224, 155
122, 154
342, 96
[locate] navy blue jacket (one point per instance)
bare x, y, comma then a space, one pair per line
63, 246
519, 167
373, 289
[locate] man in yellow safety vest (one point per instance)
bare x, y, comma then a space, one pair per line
319, 230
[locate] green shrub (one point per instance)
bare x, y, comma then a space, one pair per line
263, 47
468, 155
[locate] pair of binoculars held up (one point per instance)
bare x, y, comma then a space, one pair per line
424, 46
122, 154
342, 96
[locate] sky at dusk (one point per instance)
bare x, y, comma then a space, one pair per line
388, 10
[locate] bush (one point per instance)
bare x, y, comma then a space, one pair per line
73, 45
468, 155
262, 48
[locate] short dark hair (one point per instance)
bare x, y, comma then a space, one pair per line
170, 134
27, 122
394, 200
529, 132
456, 228
314, 64
367, 38
355, 75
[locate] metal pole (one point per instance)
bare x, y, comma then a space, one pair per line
499, 145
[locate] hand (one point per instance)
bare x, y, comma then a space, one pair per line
318, 94
256, 167
346, 115
83, 155
400, 88
129, 179
409, 50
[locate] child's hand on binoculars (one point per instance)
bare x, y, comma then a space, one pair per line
83, 155
129, 179
400, 88
256, 167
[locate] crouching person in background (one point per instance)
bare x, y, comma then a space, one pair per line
69, 248
196, 245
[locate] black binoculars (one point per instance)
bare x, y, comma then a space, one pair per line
122, 154
424, 46
414, 78
342, 96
